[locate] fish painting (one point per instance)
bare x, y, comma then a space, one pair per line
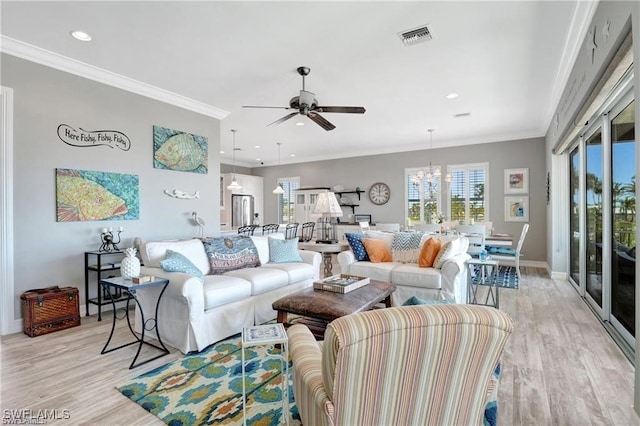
81, 199
179, 151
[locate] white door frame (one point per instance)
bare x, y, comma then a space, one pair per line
7, 299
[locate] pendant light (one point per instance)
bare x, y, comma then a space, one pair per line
234, 183
278, 190
436, 170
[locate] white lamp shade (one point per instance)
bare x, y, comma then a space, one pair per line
234, 184
278, 190
327, 204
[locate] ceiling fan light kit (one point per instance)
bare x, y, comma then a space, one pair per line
306, 104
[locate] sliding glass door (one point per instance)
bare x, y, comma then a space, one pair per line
574, 216
593, 215
623, 215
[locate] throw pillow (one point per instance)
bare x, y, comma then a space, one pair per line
284, 251
377, 250
429, 251
230, 253
406, 247
355, 242
177, 262
387, 237
447, 251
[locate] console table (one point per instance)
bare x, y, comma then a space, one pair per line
326, 250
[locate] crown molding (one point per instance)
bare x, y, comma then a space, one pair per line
45, 57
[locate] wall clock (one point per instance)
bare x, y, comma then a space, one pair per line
379, 193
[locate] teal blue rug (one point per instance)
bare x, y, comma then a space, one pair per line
205, 388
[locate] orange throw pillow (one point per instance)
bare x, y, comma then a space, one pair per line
428, 253
377, 250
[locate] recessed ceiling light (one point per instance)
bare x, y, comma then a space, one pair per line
257, 159
221, 152
257, 146
299, 123
452, 96
292, 155
80, 35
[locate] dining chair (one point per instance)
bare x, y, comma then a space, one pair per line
270, 228
306, 231
291, 230
507, 253
246, 230
433, 228
388, 227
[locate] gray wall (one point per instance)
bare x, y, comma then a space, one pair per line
389, 168
47, 252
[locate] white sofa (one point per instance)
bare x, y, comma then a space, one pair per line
194, 314
447, 283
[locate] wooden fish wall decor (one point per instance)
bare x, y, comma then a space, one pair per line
176, 150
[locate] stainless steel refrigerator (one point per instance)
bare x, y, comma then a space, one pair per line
241, 210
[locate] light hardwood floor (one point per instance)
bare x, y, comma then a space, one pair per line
560, 367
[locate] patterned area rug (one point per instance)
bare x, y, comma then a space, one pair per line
507, 277
206, 388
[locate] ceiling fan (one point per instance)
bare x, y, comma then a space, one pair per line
307, 104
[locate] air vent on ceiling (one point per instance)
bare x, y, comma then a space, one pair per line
415, 35
462, 115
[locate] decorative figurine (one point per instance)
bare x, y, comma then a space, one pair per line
108, 243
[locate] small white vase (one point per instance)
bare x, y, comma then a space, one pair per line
130, 265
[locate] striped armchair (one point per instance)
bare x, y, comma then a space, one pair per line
410, 365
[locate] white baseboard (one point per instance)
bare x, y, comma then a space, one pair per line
556, 275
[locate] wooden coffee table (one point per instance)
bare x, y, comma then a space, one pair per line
317, 308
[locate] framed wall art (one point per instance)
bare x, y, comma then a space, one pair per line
176, 150
516, 181
516, 209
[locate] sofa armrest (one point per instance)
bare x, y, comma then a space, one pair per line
308, 386
454, 278
312, 258
346, 258
184, 288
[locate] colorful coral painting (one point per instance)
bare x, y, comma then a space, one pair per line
176, 150
83, 195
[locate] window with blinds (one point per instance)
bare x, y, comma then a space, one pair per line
468, 196
422, 195
286, 201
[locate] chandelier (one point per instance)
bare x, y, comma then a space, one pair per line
431, 173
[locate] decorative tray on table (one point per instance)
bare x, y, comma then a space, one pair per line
342, 283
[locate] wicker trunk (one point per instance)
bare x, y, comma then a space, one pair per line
50, 309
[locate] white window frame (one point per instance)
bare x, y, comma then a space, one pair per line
408, 173
466, 168
290, 183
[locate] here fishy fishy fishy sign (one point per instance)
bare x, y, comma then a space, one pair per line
85, 138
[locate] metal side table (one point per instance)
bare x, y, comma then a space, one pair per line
148, 324
483, 273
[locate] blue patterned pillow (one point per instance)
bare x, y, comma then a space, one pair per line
177, 262
284, 251
355, 241
230, 253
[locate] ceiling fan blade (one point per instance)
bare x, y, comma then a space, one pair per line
285, 118
255, 106
321, 121
350, 110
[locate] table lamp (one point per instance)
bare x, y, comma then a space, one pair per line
327, 205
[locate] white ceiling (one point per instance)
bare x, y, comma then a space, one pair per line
506, 60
